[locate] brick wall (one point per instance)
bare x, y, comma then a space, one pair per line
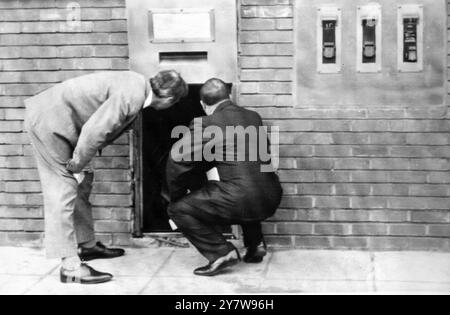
38, 48
370, 178
360, 178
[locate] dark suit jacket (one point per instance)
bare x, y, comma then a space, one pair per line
85, 114
244, 192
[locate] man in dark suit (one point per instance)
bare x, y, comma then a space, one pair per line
245, 195
67, 125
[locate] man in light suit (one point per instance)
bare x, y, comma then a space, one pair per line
67, 125
245, 195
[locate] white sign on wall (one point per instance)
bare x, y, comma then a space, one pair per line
181, 25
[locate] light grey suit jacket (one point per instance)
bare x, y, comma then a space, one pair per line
88, 113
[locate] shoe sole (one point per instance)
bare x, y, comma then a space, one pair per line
67, 281
222, 269
254, 260
99, 258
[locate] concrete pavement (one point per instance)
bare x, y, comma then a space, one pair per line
169, 271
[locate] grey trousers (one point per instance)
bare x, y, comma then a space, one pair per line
67, 210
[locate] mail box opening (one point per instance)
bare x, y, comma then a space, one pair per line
174, 58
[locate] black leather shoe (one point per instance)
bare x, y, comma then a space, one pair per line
99, 251
85, 275
213, 269
255, 255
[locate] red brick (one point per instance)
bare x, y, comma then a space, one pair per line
388, 243
410, 203
315, 164
111, 51
353, 189
111, 163
370, 151
11, 150
34, 225
290, 189
296, 151
332, 126
388, 138
408, 177
23, 187
428, 244
267, 75
277, 62
407, 230
112, 188
315, 189
352, 164
349, 242
279, 241
430, 216
269, 228
258, 24
110, 26
370, 229
20, 213
312, 242
438, 203
292, 202
388, 216
332, 151
112, 175
421, 151
111, 200
278, 49
430, 190
18, 175
124, 214
116, 151
331, 229
351, 215
295, 228
430, 164
438, 178
267, 11
24, 238
331, 202
314, 215
370, 177
112, 226
389, 164
368, 203
283, 215
102, 213
9, 52
331, 177
11, 225
390, 190
370, 125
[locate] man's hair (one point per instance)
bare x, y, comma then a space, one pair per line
169, 83
214, 91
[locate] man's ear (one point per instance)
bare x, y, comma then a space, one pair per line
171, 99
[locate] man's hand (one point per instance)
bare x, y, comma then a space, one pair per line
74, 166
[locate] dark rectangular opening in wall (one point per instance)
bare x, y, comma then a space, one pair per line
183, 57
156, 145
157, 128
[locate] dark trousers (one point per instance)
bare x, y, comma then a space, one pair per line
200, 225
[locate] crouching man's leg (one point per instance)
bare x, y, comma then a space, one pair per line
88, 248
198, 227
254, 242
